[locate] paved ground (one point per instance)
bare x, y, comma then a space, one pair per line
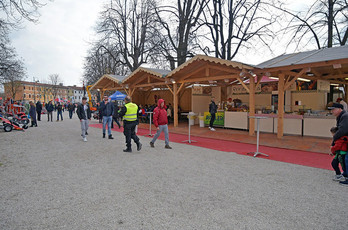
50, 179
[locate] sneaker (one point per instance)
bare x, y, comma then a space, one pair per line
152, 145
167, 147
127, 150
339, 178
344, 182
212, 129
85, 139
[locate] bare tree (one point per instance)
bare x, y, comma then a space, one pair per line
100, 62
15, 11
179, 22
54, 80
126, 28
324, 22
235, 24
13, 78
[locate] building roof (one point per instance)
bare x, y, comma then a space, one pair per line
108, 80
141, 71
313, 56
214, 60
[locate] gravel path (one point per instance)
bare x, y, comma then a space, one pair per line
51, 179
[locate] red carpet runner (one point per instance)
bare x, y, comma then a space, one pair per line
311, 159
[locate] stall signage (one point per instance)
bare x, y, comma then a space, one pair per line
219, 118
197, 90
323, 85
239, 89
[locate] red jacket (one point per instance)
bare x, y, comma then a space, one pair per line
160, 114
340, 144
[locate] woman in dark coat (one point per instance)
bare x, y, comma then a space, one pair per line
32, 114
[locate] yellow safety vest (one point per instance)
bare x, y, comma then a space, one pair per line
132, 112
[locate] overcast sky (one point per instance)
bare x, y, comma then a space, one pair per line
59, 42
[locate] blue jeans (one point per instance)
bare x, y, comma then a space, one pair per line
107, 119
163, 128
61, 115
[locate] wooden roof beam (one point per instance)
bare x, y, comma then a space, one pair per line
215, 78
243, 84
288, 84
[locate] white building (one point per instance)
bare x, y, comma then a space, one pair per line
78, 94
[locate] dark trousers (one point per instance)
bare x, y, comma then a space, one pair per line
61, 115
49, 114
33, 122
38, 115
335, 163
70, 113
117, 122
129, 132
212, 119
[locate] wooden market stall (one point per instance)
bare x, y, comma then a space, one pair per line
205, 70
144, 82
323, 67
108, 82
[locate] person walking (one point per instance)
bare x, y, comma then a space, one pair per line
342, 128
84, 114
32, 114
160, 120
212, 111
49, 108
38, 110
115, 115
71, 108
129, 112
107, 110
59, 111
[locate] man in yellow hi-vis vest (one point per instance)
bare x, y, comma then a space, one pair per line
130, 120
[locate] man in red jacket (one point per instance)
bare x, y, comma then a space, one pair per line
161, 122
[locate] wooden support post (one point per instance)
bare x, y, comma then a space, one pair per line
251, 105
345, 93
176, 115
280, 132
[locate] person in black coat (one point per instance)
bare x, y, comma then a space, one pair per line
212, 111
71, 108
32, 114
84, 114
38, 110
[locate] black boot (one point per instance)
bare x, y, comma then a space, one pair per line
103, 135
139, 145
127, 150
110, 137
32, 124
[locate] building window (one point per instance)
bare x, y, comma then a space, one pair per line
29, 95
23, 87
23, 95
